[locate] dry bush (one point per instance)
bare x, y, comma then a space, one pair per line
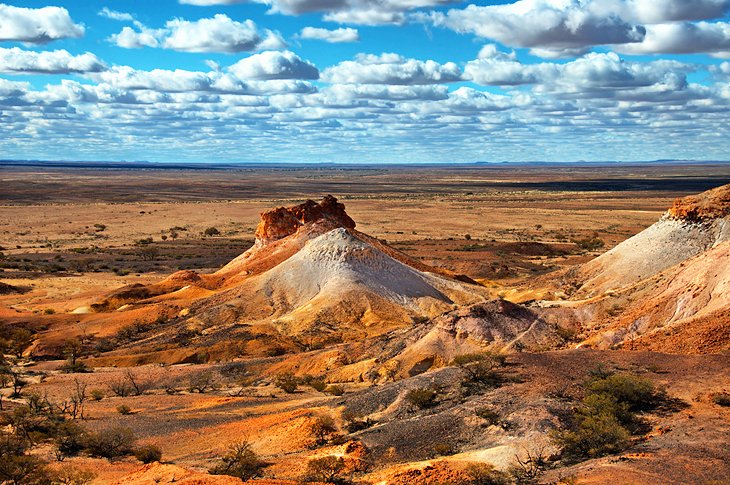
148, 454
328, 469
111, 443
721, 399
485, 474
287, 382
422, 398
240, 461
73, 475
322, 429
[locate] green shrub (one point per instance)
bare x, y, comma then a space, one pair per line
636, 392
148, 454
607, 416
322, 429
422, 398
595, 435
97, 394
240, 461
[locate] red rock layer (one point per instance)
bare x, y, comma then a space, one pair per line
281, 222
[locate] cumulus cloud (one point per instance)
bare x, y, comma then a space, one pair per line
37, 25
115, 15
19, 61
364, 12
183, 81
217, 34
683, 38
332, 36
391, 69
274, 65
595, 75
569, 28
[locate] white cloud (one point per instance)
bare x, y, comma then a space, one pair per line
364, 12
683, 38
274, 65
332, 36
19, 61
594, 75
182, 81
129, 38
37, 25
391, 69
217, 34
115, 15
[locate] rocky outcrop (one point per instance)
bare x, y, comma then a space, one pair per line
281, 222
708, 205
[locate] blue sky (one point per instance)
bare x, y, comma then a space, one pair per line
365, 80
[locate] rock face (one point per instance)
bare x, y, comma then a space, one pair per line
281, 222
708, 205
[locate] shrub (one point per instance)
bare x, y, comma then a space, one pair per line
287, 382
148, 454
721, 398
211, 231
444, 449
111, 443
607, 415
488, 414
202, 382
240, 461
97, 394
326, 469
422, 398
18, 468
594, 436
485, 474
72, 475
124, 409
317, 384
637, 392
70, 439
481, 368
322, 429
335, 390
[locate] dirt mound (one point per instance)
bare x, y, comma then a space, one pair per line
309, 275
497, 325
694, 225
683, 309
712, 204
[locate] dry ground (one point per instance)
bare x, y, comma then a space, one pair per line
70, 235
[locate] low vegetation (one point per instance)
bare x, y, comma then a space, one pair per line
607, 416
239, 461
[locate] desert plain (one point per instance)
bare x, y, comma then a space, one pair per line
70, 236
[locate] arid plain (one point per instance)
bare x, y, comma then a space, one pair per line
72, 236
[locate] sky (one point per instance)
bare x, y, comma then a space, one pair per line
365, 81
